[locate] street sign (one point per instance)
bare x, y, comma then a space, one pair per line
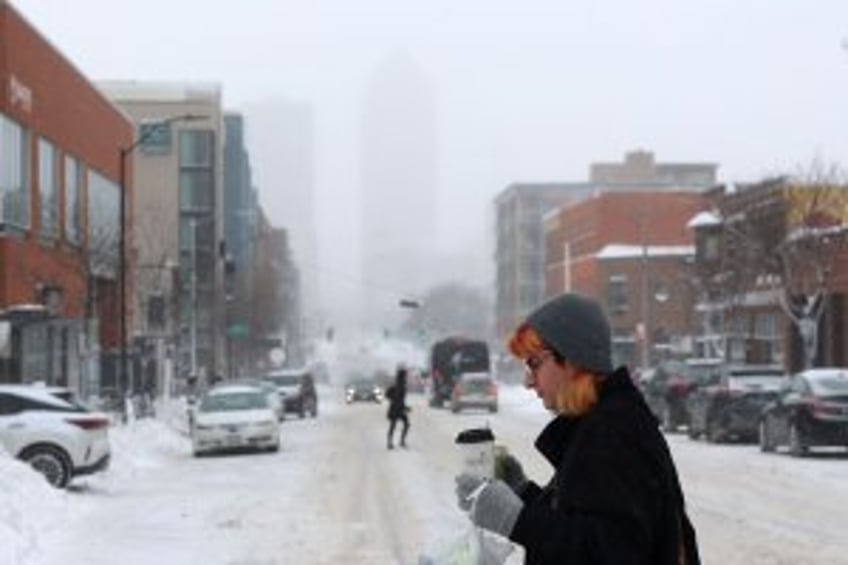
238, 331
278, 356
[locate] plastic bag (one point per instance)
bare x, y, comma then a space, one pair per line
473, 547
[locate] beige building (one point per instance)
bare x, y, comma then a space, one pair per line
640, 167
177, 242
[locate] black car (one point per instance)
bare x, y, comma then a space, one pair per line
811, 410
667, 388
729, 404
364, 390
296, 388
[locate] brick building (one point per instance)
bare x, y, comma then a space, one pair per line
60, 142
520, 261
632, 251
769, 245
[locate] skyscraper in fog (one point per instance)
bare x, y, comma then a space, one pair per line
282, 141
398, 174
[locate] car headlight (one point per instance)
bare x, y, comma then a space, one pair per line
202, 428
266, 423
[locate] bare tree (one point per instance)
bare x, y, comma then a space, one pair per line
783, 237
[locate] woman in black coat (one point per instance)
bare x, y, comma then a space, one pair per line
614, 497
397, 408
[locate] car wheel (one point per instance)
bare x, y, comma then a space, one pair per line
714, 433
51, 462
493, 408
766, 444
796, 444
692, 431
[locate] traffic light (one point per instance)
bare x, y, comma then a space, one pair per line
331, 332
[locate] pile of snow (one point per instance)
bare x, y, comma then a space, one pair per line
29, 506
142, 445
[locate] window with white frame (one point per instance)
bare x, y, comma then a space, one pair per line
14, 174
617, 298
103, 224
73, 200
47, 191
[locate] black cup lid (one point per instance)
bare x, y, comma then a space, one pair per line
475, 435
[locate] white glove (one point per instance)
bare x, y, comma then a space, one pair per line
496, 508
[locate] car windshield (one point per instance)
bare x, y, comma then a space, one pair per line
833, 385
704, 374
231, 401
285, 380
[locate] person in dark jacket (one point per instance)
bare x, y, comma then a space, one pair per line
398, 410
614, 497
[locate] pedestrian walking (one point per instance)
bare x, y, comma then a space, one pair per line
398, 410
614, 496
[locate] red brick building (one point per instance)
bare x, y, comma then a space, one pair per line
60, 143
631, 251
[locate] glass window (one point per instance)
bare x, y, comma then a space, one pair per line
14, 174
196, 148
617, 300
155, 138
103, 224
765, 326
711, 247
73, 204
47, 189
196, 189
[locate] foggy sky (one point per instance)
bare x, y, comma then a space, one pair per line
524, 91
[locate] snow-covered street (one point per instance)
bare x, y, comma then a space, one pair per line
335, 494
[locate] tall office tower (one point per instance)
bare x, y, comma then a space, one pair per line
398, 176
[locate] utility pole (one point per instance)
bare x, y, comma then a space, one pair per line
645, 300
193, 222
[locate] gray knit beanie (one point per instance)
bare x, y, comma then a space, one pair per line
576, 328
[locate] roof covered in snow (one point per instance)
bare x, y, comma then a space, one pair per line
702, 219
617, 251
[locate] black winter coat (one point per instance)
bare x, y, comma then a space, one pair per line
614, 498
397, 402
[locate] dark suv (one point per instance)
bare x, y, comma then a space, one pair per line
296, 388
729, 406
669, 386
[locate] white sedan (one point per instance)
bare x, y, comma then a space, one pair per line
233, 417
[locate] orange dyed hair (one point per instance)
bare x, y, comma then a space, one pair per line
524, 342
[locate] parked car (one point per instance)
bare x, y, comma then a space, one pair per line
364, 389
58, 438
729, 407
475, 390
270, 390
296, 388
667, 388
234, 417
811, 410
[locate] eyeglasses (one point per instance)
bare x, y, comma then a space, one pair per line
534, 362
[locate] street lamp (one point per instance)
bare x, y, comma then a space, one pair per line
123, 377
